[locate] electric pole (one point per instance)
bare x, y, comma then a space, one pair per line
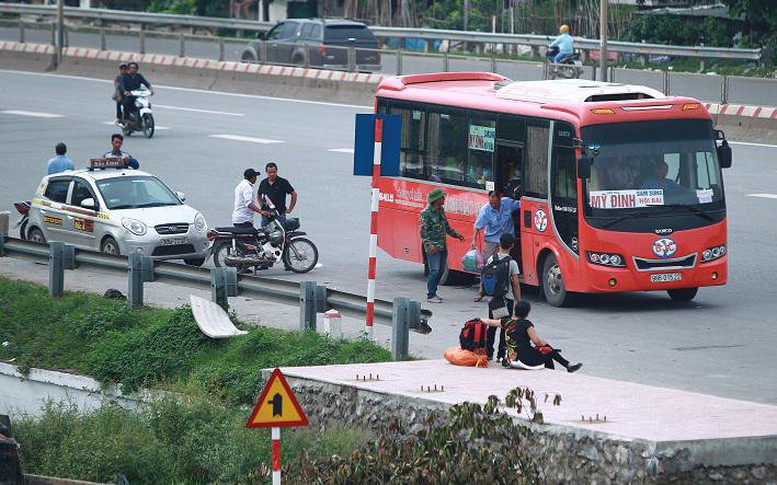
603, 39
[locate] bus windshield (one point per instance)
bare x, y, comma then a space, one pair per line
651, 166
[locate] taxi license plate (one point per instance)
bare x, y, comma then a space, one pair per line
665, 277
173, 241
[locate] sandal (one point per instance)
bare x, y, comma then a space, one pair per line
478, 298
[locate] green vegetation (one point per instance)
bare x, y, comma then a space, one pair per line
151, 347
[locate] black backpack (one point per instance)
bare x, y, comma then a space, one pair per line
495, 276
473, 335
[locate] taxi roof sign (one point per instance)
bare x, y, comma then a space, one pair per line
277, 406
106, 162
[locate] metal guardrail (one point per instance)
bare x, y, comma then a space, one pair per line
276, 290
388, 32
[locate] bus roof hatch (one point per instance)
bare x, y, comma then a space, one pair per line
575, 91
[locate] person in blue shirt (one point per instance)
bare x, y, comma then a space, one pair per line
61, 162
131, 81
564, 43
495, 219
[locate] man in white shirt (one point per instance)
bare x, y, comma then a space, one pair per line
245, 203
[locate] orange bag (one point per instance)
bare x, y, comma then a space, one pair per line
458, 356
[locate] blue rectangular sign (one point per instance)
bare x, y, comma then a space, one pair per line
364, 145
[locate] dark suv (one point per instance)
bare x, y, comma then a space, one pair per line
317, 43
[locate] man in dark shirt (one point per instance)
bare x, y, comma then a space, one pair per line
131, 81
273, 191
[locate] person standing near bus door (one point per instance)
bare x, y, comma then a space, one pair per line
434, 228
495, 219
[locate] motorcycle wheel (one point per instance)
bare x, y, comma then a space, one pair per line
568, 72
23, 231
126, 131
300, 255
224, 250
148, 125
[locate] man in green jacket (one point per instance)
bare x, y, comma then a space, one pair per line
434, 227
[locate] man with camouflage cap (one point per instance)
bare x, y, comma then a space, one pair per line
434, 228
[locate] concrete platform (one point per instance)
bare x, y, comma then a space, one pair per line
717, 431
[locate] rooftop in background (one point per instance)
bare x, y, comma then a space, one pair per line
717, 10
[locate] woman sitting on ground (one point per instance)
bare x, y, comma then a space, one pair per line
520, 337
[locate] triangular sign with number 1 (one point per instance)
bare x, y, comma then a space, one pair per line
277, 406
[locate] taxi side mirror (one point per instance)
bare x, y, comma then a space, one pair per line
584, 167
88, 203
181, 196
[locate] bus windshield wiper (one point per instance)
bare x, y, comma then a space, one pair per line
633, 215
693, 209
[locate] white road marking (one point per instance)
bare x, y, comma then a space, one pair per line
744, 143
180, 108
367, 109
765, 196
33, 114
157, 127
342, 150
245, 138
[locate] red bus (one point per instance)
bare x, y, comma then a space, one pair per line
597, 212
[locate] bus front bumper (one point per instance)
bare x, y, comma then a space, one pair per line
607, 279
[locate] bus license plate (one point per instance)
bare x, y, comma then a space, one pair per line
173, 241
665, 277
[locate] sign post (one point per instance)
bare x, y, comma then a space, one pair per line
277, 408
376, 153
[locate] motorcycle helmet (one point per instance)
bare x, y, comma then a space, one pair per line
564, 29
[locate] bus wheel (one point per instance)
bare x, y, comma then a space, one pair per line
553, 284
683, 294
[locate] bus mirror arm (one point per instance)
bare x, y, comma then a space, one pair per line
724, 149
584, 167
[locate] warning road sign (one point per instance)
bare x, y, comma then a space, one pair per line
277, 406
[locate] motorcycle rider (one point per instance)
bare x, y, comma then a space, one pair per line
131, 81
564, 43
245, 204
117, 94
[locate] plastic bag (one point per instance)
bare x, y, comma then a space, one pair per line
458, 356
473, 261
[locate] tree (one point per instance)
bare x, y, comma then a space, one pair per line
760, 24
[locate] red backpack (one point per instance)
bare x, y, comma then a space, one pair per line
473, 335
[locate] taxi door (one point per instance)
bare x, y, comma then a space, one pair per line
80, 220
53, 220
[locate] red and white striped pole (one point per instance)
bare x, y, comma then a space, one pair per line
374, 227
276, 455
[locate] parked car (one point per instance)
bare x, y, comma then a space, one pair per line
117, 211
318, 43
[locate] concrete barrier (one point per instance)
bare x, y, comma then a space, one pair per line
746, 123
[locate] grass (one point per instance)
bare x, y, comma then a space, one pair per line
149, 347
195, 435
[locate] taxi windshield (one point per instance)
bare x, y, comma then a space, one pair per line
136, 193
653, 166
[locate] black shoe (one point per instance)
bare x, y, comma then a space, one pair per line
506, 363
574, 367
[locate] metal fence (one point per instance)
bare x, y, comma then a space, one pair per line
402, 314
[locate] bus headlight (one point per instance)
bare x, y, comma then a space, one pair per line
713, 253
606, 259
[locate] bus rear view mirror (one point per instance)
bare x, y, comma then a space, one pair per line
584, 167
724, 150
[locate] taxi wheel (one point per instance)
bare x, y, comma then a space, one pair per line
36, 236
683, 294
110, 246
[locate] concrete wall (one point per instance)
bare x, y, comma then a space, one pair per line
561, 454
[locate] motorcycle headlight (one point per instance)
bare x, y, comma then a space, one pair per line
199, 223
134, 226
276, 237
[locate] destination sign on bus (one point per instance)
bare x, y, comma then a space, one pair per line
625, 199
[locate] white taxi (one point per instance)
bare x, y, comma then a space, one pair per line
117, 210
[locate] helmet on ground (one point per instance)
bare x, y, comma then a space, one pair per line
564, 29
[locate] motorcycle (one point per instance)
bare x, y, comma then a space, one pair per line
245, 248
141, 118
570, 67
23, 208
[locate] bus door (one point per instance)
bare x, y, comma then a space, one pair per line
509, 173
563, 191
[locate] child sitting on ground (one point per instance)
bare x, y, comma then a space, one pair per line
521, 335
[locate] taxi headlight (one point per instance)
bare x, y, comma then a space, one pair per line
199, 223
134, 226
